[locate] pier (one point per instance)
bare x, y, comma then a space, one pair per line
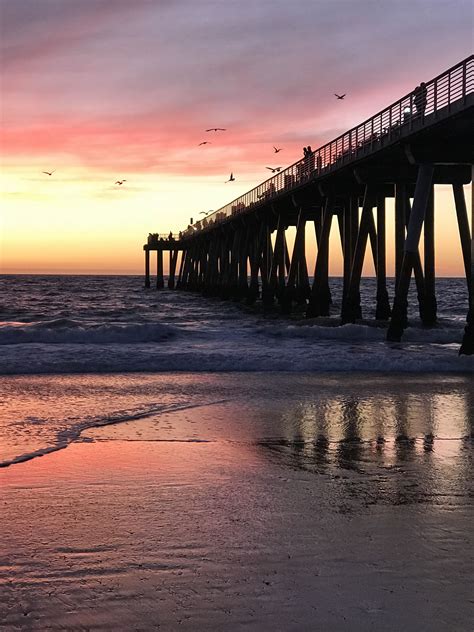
240, 251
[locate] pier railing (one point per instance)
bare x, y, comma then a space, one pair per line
409, 112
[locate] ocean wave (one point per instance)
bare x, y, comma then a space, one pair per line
68, 331
201, 356
364, 333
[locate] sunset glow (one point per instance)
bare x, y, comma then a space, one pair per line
99, 91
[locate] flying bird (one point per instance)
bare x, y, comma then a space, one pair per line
216, 129
202, 212
204, 142
274, 169
120, 182
49, 173
277, 149
339, 96
231, 179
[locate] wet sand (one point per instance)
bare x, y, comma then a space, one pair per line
342, 504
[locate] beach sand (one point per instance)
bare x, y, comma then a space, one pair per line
300, 503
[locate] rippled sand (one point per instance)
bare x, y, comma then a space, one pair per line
293, 502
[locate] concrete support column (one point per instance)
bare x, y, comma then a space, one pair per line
172, 272
253, 291
401, 203
467, 346
147, 268
159, 270
382, 311
351, 308
346, 249
410, 254
464, 231
429, 307
179, 283
320, 298
298, 285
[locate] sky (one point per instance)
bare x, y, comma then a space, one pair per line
100, 90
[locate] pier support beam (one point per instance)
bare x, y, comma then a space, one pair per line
351, 309
467, 346
243, 264
179, 282
382, 311
428, 306
401, 204
147, 268
160, 283
464, 231
253, 290
277, 269
346, 249
265, 265
297, 287
423, 191
172, 271
320, 298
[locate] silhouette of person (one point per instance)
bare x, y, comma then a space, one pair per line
170, 236
308, 159
420, 94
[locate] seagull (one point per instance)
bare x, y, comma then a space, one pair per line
339, 96
274, 169
49, 173
204, 142
277, 149
231, 179
203, 213
120, 182
216, 129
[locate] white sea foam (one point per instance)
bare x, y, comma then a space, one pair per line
236, 355
66, 331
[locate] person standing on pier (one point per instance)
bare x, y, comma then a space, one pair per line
420, 98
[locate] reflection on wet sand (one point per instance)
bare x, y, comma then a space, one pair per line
400, 449
292, 502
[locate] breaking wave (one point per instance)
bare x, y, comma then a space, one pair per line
67, 331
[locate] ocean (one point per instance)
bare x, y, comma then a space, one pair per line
174, 462
97, 324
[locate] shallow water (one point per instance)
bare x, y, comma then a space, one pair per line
42, 413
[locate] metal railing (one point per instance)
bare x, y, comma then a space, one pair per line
439, 94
